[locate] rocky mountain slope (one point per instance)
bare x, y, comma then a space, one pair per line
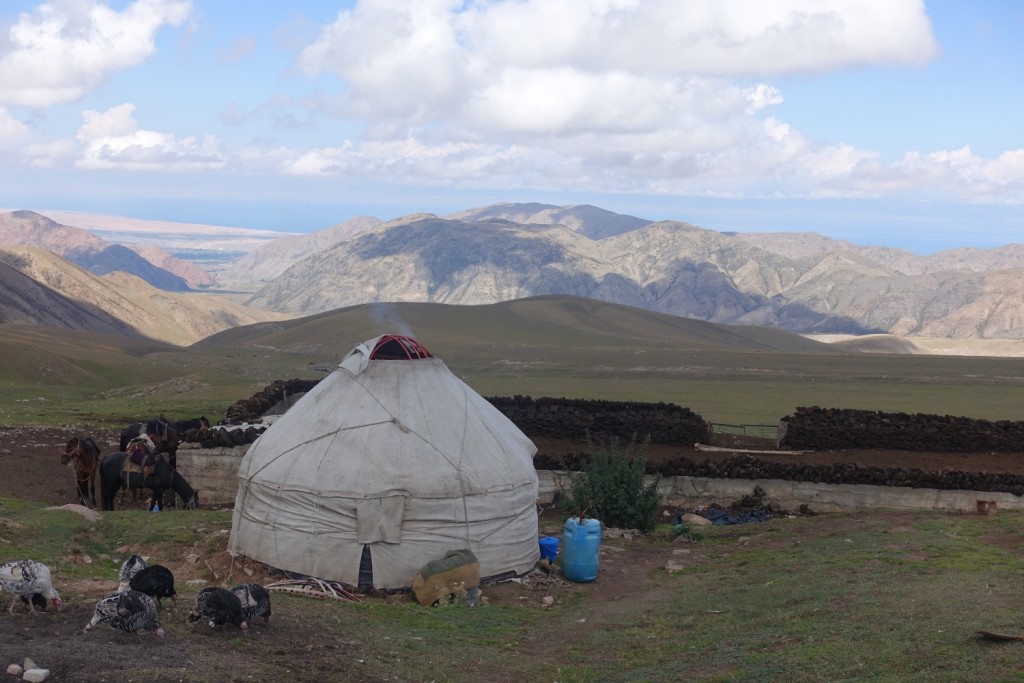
48, 290
193, 274
270, 260
23, 300
592, 221
802, 283
30, 229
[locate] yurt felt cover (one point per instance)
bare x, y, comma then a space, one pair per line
399, 455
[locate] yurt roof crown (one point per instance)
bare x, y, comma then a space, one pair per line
398, 347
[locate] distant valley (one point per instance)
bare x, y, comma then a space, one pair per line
799, 282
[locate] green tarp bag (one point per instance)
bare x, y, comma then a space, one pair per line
438, 578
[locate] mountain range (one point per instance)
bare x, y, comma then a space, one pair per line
800, 282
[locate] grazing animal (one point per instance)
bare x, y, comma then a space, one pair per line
84, 456
220, 606
255, 601
130, 612
132, 566
24, 578
113, 478
156, 581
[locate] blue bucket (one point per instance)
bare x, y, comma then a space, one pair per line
582, 543
549, 548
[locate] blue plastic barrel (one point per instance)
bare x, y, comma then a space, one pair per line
581, 542
549, 548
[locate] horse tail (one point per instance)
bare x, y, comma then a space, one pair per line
106, 494
110, 480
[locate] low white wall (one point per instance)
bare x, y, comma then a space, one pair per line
211, 471
689, 492
214, 471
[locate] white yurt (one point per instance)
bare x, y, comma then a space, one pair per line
387, 464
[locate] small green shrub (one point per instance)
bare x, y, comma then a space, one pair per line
611, 486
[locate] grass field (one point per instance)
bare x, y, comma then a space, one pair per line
550, 346
881, 597
875, 597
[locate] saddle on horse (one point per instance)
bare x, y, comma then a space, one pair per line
141, 457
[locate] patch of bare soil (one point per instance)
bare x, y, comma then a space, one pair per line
293, 647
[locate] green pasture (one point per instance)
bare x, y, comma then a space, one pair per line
559, 347
846, 597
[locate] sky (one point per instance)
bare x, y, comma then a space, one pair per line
888, 122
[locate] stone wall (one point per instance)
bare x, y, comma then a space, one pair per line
211, 471
817, 428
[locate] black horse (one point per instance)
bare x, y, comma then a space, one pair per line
113, 478
166, 436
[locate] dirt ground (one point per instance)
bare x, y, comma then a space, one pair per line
30, 469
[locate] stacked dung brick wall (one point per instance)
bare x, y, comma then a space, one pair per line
817, 428
247, 410
745, 466
560, 418
221, 437
565, 418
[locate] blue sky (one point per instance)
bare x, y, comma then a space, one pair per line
891, 122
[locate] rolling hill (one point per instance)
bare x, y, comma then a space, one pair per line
546, 321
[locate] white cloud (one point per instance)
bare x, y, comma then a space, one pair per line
644, 96
66, 48
945, 174
54, 154
652, 96
12, 131
398, 58
112, 139
702, 37
421, 61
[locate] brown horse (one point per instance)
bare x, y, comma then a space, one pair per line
84, 455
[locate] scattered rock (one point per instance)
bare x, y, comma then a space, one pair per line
672, 567
90, 515
14, 670
696, 520
628, 534
28, 664
36, 675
